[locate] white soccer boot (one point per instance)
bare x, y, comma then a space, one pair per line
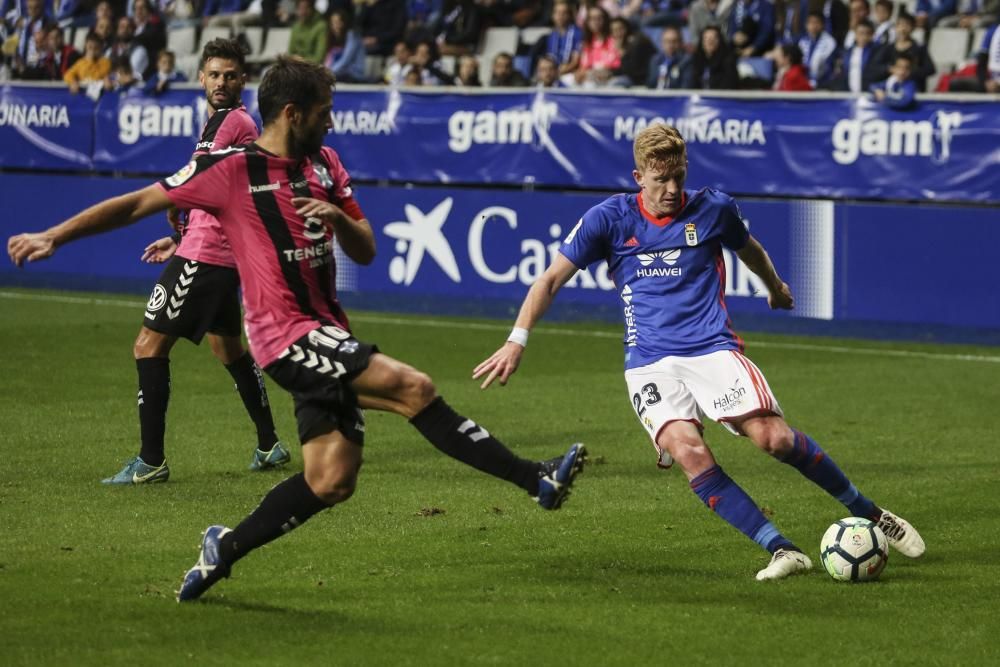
785, 563
903, 537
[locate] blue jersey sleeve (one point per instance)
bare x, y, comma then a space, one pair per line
587, 242
733, 227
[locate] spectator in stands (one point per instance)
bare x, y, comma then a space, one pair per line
564, 42
149, 28
899, 90
859, 11
885, 30
789, 23
792, 74
104, 29
661, 13
425, 56
858, 67
972, 14
751, 27
31, 31
702, 14
547, 73
713, 65
468, 72
91, 69
399, 64
308, 37
836, 18
612, 7
382, 23
668, 70
519, 13
166, 74
421, 15
178, 13
987, 79
413, 76
921, 64
126, 46
599, 55
59, 56
345, 55
929, 12
504, 74
819, 50
232, 14
123, 79
459, 28
637, 51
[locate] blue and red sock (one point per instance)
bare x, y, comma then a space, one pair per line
725, 497
809, 458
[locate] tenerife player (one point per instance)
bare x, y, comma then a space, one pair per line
277, 201
198, 292
663, 247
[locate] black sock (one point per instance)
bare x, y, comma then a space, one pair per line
286, 506
470, 443
154, 394
250, 383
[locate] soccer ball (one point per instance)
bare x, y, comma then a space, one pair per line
854, 549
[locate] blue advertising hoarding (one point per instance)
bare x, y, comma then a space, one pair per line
45, 128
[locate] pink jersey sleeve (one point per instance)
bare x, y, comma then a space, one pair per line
203, 183
342, 189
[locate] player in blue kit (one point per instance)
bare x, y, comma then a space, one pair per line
683, 360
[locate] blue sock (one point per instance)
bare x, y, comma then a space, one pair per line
810, 459
725, 497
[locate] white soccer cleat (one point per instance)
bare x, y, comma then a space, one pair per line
903, 537
785, 563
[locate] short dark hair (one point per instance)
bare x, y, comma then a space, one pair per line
866, 23
228, 49
793, 53
907, 17
904, 56
817, 15
885, 4
292, 80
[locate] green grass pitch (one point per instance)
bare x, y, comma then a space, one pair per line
633, 571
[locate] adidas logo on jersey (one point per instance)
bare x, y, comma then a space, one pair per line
632, 242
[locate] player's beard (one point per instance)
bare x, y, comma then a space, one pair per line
227, 101
305, 141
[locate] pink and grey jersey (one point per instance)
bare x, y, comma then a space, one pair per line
670, 273
203, 239
285, 262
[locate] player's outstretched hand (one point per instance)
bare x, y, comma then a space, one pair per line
159, 251
308, 207
781, 299
30, 247
501, 364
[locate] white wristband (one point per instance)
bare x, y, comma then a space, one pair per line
518, 335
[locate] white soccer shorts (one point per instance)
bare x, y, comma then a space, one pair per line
724, 386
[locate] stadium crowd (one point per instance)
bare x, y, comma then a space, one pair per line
860, 46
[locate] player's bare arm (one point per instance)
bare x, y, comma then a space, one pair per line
355, 237
159, 250
504, 362
109, 214
758, 261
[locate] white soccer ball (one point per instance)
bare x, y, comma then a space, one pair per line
854, 549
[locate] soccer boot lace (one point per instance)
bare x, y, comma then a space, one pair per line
557, 477
784, 563
209, 568
274, 457
137, 471
901, 535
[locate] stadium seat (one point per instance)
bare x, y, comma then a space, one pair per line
275, 43
181, 41
654, 35
523, 65
449, 64
79, 40
919, 36
208, 34
948, 45
530, 36
374, 66
495, 40
756, 68
255, 38
977, 41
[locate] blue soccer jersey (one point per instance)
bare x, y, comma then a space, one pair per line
669, 272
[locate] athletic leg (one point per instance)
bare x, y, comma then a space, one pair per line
152, 361
250, 385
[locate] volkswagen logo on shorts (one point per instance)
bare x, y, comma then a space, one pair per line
157, 299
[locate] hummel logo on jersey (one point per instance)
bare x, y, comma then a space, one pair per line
265, 188
632, 242
421, 234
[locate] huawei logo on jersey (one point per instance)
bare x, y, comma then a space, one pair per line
669, 257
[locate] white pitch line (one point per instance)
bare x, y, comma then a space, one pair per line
551, 331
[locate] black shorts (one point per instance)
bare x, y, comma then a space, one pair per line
316, 370
192, 298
